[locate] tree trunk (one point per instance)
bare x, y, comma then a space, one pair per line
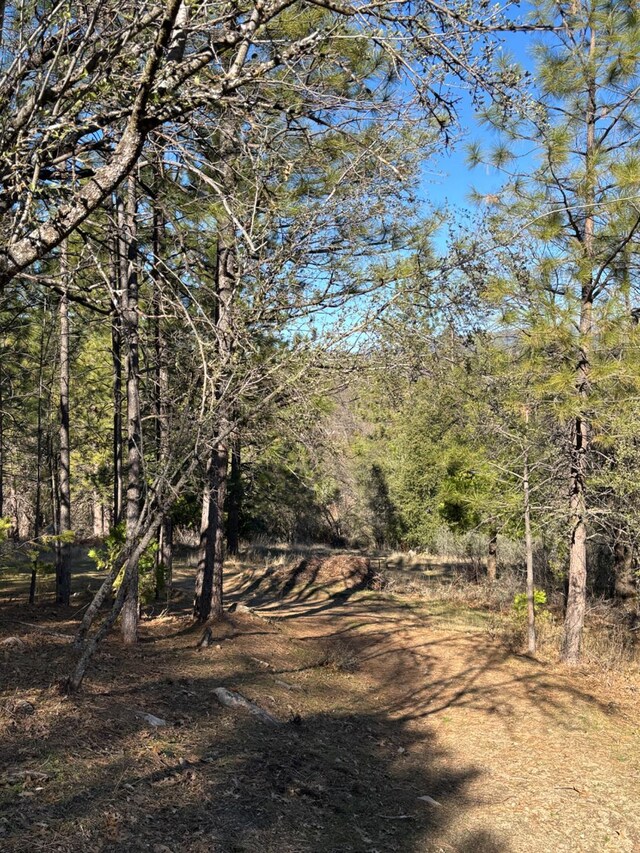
234, 501
1, 441
226, 282
164, 554
531, 613
212, 548
98, 516
492, 557
625, 588
33, 584
39, 437
141, 537
118, 265
130, 608
209, 521
37, 521
129, 561
53, 482
221, 463
63, 555
14, 510
577, 591
209, 580
577, 587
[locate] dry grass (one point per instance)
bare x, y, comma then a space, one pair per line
385, 698
608, 643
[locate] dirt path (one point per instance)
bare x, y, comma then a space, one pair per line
401, 731
550, 758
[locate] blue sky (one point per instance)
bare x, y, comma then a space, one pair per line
447, 179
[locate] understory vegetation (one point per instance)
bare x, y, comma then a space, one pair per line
319, 415
229, 311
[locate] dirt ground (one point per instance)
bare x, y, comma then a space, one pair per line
405, 726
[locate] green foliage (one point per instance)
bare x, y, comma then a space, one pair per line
106, 556
519, 615
44, 544
384, 521
187, 511
539, 603
449, 443
39, 566
5, 529
67, 537
283, 501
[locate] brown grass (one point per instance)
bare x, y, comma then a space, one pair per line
384, 698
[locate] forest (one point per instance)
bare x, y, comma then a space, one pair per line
319, 407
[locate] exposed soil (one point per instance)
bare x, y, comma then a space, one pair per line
405, 727
340, 572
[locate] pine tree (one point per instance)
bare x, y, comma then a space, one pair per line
573, 199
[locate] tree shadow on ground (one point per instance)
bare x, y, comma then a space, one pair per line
345, 772
360, 688
394, 639
330, 780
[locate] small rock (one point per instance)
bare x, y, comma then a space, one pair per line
287, 685
13, 643
20, 707
151, 719
427, 799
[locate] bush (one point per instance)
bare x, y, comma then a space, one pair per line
516, 627
539, 603
106, 556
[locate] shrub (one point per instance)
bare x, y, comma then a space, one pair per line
539, 603
106, 556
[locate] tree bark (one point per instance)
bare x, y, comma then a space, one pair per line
37, 521
39, 436
63, 551
21, 253
625, 588
577, 591
130, 608
97, 508
210, 569
528, 539
53, 481
1, 441
209, 580
234, 502
164, 554
204, 576
492, 557
118, 265
221, 463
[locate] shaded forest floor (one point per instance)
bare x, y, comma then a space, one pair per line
406, 726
